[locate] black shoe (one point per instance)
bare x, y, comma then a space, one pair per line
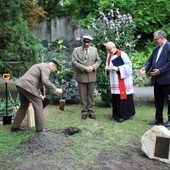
92, 116
120, 120
156, 122
167, 124
43, 130
84, 116
17, 129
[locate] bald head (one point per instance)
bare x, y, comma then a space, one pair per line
110, 44
110, 47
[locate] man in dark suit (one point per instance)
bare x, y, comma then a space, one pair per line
86, 61
29, 91
159, 62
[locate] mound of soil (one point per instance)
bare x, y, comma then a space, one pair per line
45, 142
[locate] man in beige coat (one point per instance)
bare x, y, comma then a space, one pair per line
29, 91
86, 61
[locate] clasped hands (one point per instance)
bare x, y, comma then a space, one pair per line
155, 72
113, 68
89, 69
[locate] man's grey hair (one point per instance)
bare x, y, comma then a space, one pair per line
160, 33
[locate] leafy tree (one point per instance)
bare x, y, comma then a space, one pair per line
33, 14
53, 8
148, 15
17, 41
80, 11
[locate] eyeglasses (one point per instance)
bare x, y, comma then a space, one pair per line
155, 39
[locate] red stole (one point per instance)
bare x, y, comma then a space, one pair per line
109, 58
121, 81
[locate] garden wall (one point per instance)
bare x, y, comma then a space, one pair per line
59, 28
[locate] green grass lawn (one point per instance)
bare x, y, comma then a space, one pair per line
95, 135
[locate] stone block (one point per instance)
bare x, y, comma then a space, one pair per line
156, 143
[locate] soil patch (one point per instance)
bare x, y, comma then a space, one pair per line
45, 142
41, 153
128, 158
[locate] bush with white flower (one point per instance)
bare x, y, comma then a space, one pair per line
116, 28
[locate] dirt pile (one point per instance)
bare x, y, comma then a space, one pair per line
45, 142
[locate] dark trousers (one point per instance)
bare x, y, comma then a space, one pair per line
161, 93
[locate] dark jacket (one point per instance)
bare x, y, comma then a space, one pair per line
163, 64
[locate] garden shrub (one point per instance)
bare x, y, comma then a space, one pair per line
64, 78
119, 29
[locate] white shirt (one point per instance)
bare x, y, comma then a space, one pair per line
159, 52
